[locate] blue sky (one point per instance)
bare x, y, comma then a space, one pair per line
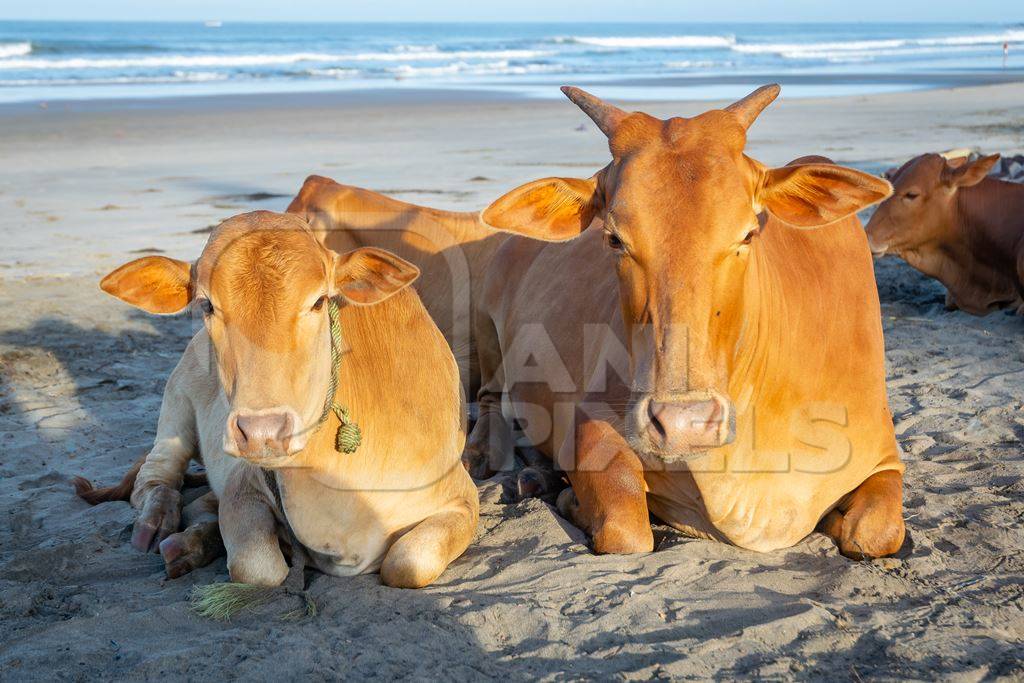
522, 10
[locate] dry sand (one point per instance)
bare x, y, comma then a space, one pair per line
84, 187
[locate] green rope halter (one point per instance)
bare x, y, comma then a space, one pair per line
349, 436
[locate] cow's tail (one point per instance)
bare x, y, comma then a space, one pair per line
120, 491
123, 489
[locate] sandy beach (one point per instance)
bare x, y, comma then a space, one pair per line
86, 186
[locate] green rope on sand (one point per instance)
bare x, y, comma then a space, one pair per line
349, 435
222, 601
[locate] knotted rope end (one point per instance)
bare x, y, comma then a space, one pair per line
223, 601
349, 435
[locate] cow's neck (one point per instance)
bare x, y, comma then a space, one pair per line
381, 383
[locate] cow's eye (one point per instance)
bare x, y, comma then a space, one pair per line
614, 242
319, 304
749, 236
911, 196
205, 306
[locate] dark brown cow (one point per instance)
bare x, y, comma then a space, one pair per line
951, 221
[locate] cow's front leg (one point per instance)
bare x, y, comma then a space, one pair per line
157, 486
249, 529
424, 552
199, 543
158, 519
490, 447
869, 522
608, 498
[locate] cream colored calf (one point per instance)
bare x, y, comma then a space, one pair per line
261, 395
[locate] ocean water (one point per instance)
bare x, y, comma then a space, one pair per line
84, 60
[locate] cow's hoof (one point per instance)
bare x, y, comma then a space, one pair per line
160, 517
490, 447
567, 504
195, 547
477, 463
530, 484
538, 482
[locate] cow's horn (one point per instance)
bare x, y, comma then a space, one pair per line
606, 116
748, 109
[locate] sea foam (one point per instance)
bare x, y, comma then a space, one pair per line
653, 42
867, 48
240, 60
14, 49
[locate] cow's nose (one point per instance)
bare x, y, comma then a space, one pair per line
680, 425
262, 435
877, 248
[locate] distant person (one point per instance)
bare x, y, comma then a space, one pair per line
1006, 51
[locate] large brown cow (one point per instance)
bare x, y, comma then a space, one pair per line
711, 295
950, 221
297, 341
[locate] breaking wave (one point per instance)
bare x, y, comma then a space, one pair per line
653, 42
15, 50
243, 60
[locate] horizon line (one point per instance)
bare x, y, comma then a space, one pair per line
1008, 23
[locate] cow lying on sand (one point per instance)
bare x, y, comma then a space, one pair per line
950, 221
452, 250
299, 345
744, 298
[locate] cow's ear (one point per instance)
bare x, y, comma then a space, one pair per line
813, 195
969, 174
368, 275
550, 209
155, 284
